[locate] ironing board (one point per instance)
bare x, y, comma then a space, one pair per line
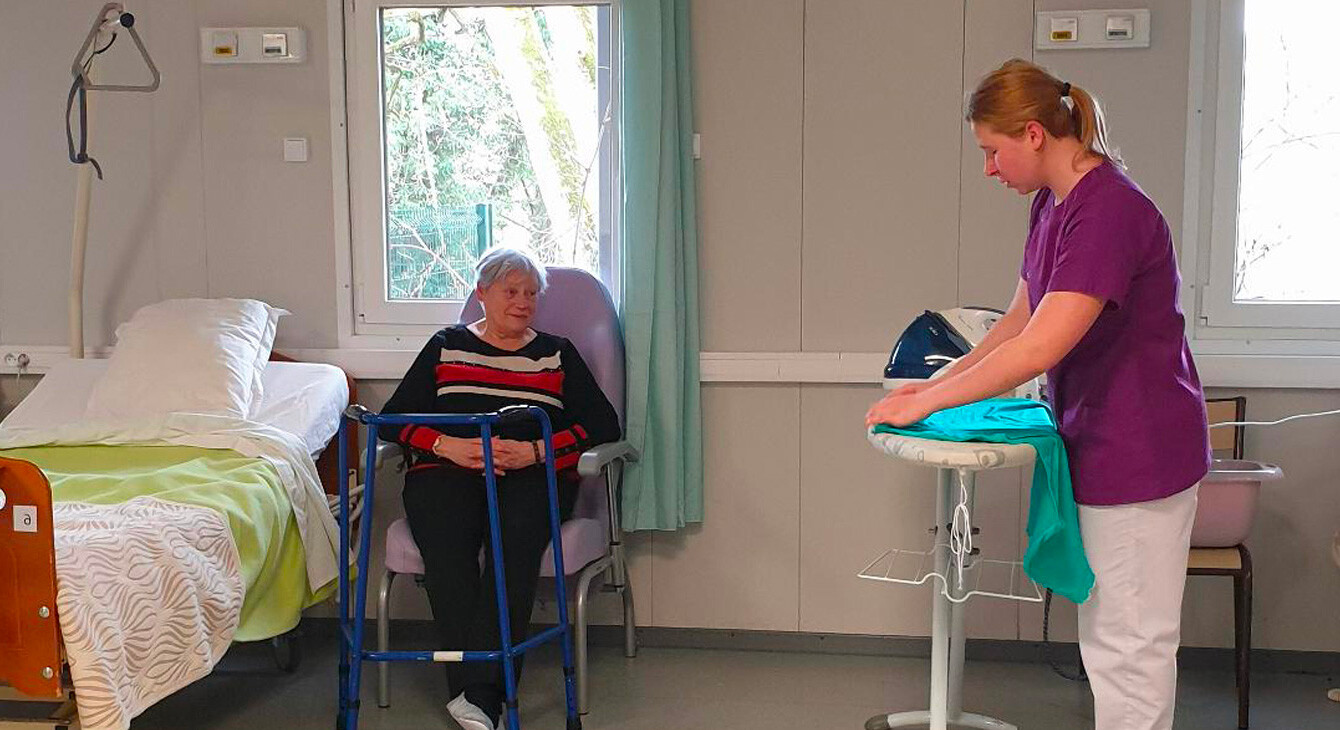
957, 465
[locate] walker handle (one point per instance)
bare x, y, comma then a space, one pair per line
515, 414
357, 412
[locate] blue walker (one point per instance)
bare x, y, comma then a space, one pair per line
352, 653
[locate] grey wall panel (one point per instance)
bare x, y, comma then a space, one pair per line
883, 86
748, 55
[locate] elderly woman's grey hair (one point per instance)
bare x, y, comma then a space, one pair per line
497, 263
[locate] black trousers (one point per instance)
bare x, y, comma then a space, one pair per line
447, 509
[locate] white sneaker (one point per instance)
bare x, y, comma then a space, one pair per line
467, 715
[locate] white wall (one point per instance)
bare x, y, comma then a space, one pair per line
196, 200
840, 195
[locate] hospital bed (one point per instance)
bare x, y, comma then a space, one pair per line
238, 500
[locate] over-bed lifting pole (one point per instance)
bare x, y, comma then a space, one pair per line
110, 20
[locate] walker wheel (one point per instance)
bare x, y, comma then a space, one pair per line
575, 723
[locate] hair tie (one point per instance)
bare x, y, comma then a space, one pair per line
1067, 100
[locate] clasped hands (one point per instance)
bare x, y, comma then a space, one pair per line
508, 455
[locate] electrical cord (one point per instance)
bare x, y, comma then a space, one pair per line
77, 91
1081, 675
960, 532
1276, 422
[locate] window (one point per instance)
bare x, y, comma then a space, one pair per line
473, 125
1272, 228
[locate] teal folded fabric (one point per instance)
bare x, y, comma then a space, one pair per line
1055, 555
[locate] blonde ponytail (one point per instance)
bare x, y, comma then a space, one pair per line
1020, 91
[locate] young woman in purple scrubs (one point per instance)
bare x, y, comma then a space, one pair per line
1096, 309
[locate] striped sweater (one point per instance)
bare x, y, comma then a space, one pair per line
457, 372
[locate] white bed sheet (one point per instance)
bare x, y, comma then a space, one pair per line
304, 399
121, 663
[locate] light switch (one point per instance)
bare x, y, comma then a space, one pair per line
295, 149
25, 518
1065, 30
274, 45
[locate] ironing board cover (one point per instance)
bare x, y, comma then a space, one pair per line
952, 454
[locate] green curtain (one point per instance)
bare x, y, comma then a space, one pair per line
664, 490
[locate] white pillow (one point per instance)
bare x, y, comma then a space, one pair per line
302, 398
187, 355
266, 344
305, 399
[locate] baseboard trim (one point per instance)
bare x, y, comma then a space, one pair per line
998, 650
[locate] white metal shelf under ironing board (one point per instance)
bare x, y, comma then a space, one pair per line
957, 464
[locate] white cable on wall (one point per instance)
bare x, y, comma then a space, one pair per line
1286, 419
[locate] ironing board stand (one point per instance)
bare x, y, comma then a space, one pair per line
938, 567
947, 633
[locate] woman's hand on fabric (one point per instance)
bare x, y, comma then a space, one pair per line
898, 410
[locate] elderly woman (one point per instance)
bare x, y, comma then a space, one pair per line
494, 362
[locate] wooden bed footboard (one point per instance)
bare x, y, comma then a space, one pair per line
30, 649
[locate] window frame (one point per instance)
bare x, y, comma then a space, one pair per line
1214, 132
372, 313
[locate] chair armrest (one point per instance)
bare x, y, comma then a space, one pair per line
387, 452
594, 461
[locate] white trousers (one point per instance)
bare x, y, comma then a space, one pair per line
1131, 626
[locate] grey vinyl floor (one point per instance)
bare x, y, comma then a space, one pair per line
692, 689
